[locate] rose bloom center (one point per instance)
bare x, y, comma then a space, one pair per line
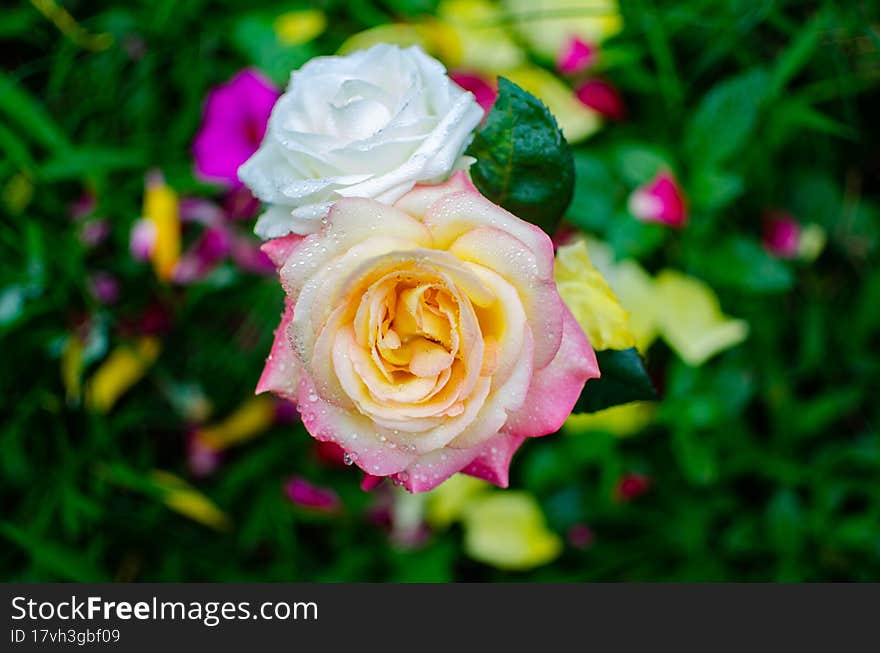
415, 340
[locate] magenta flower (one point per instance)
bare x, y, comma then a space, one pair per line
233, 124
208, 251
580, 536
781, 235
104, 287
576, 57
602, 97
201, 458
482, 89
306, 495
142, 240
660, 200
631, 486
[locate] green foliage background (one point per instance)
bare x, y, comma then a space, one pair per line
765, 462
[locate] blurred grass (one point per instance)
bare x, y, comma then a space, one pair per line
764, 463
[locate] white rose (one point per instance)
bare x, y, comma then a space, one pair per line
371, 124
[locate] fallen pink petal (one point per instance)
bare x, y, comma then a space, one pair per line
602, 97
661, 200
781, 236
307, 495
577, 56
483, 89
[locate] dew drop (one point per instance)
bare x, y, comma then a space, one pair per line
347, 459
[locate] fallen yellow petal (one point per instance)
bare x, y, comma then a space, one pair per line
507, 530
161, 209
634, 287
591, 301
484, 43
690, 318
71, 367
298, 27
448, 501
622, 420
251, 418
181, 497
548, 25
122, 369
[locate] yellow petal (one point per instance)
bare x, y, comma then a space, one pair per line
485, 43
250, 419
18, 193
435, 37
620, 420
548, 25
587, 295
161, 209
298, 27
122, 369
181, 497
633, 287
812, 242
450, 499
507, 530
690, 318
576, 120
71, 367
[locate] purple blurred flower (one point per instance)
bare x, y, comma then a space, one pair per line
201, 458
142, 239
201, 211
83, 206
580, 536
104, 287
240, 204
781, 235
632, 485
233, 124
313, 497
247, 255
203, 256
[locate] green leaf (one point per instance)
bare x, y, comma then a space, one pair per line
523, 161
797, 54
725, 118
795, 116
60, 562
30, 115
254, 36
592, 206
631, 238
712, 189
741, 263
637, 163
695, 457
86, 161
623, 380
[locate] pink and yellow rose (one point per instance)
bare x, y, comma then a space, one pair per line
428, 337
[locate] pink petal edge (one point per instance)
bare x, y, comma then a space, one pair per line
556, 387
281, 374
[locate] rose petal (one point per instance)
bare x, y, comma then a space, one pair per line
556, 388
493, 462
279, 249
282, 372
